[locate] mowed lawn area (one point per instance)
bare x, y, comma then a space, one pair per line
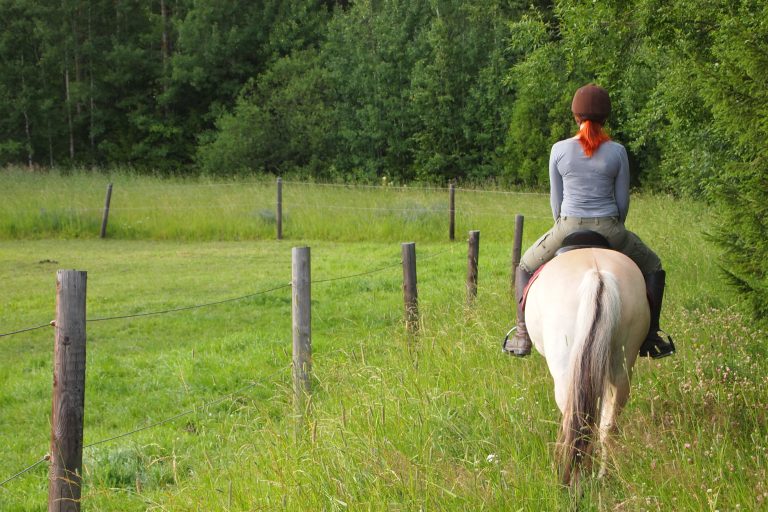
438, 421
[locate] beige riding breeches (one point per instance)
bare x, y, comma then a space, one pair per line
619, 238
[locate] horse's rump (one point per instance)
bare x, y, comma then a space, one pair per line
587, 314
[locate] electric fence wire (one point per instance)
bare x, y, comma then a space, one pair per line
247, 206
224, 301
416, 188
150, 313
263, 183
186, 308
215, 401
26, 330
374, 271
25, 470
203, 406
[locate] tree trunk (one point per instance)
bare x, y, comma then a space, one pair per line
50, 146
69, 115
30, 153
91, 128
24, 111
164, 36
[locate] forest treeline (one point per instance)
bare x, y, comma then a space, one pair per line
427, 90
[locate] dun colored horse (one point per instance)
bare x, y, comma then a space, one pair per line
587, 314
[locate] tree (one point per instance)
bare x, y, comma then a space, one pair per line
281, 123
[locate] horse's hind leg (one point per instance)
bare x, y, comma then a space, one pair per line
614, 400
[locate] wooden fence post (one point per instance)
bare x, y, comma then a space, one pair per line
302, 326
517, 249
279, 216
105, 217
473, 253
65, 473
410, 292
452, 212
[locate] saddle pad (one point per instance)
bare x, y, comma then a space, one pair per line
530, 282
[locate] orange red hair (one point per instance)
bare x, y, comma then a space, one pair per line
591, 135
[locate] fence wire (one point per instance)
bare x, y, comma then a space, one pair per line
161, 312
25, 470
204, 405
201, 407
224, 301
186, 308
27, 329
249, 206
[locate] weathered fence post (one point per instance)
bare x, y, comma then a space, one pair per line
302, 326
410, 292
105, 217
279, 216
65, 474
473, 252
517, 249
452, 212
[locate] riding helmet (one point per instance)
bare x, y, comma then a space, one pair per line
591, 102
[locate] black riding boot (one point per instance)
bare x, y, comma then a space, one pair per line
520, 344
654, 345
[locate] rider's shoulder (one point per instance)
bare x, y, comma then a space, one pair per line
564, 144
616, 147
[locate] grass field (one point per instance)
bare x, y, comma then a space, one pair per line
442, 421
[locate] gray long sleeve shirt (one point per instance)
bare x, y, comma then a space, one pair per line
582, 186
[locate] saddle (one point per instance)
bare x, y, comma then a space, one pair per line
582, 239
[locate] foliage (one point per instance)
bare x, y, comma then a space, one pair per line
278, 124
735, 89
100, 83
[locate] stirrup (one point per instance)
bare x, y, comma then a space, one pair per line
657, 350
513, 352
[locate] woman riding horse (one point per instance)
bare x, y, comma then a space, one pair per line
589, 190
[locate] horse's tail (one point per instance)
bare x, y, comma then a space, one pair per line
596, 322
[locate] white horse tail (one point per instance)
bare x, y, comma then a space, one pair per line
596, 323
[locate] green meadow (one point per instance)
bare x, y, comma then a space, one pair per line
438, 421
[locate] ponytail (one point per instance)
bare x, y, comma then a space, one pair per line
590, 136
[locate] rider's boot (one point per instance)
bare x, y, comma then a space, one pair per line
520, 344
654, 345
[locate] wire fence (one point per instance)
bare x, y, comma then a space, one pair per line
224, 301
315, 206
252, 384
412, 188
262, 184
209, 403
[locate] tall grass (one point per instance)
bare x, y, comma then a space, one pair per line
39, 206
440, 421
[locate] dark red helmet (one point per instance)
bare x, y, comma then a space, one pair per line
591, 102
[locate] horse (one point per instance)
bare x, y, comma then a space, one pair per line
587, 313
